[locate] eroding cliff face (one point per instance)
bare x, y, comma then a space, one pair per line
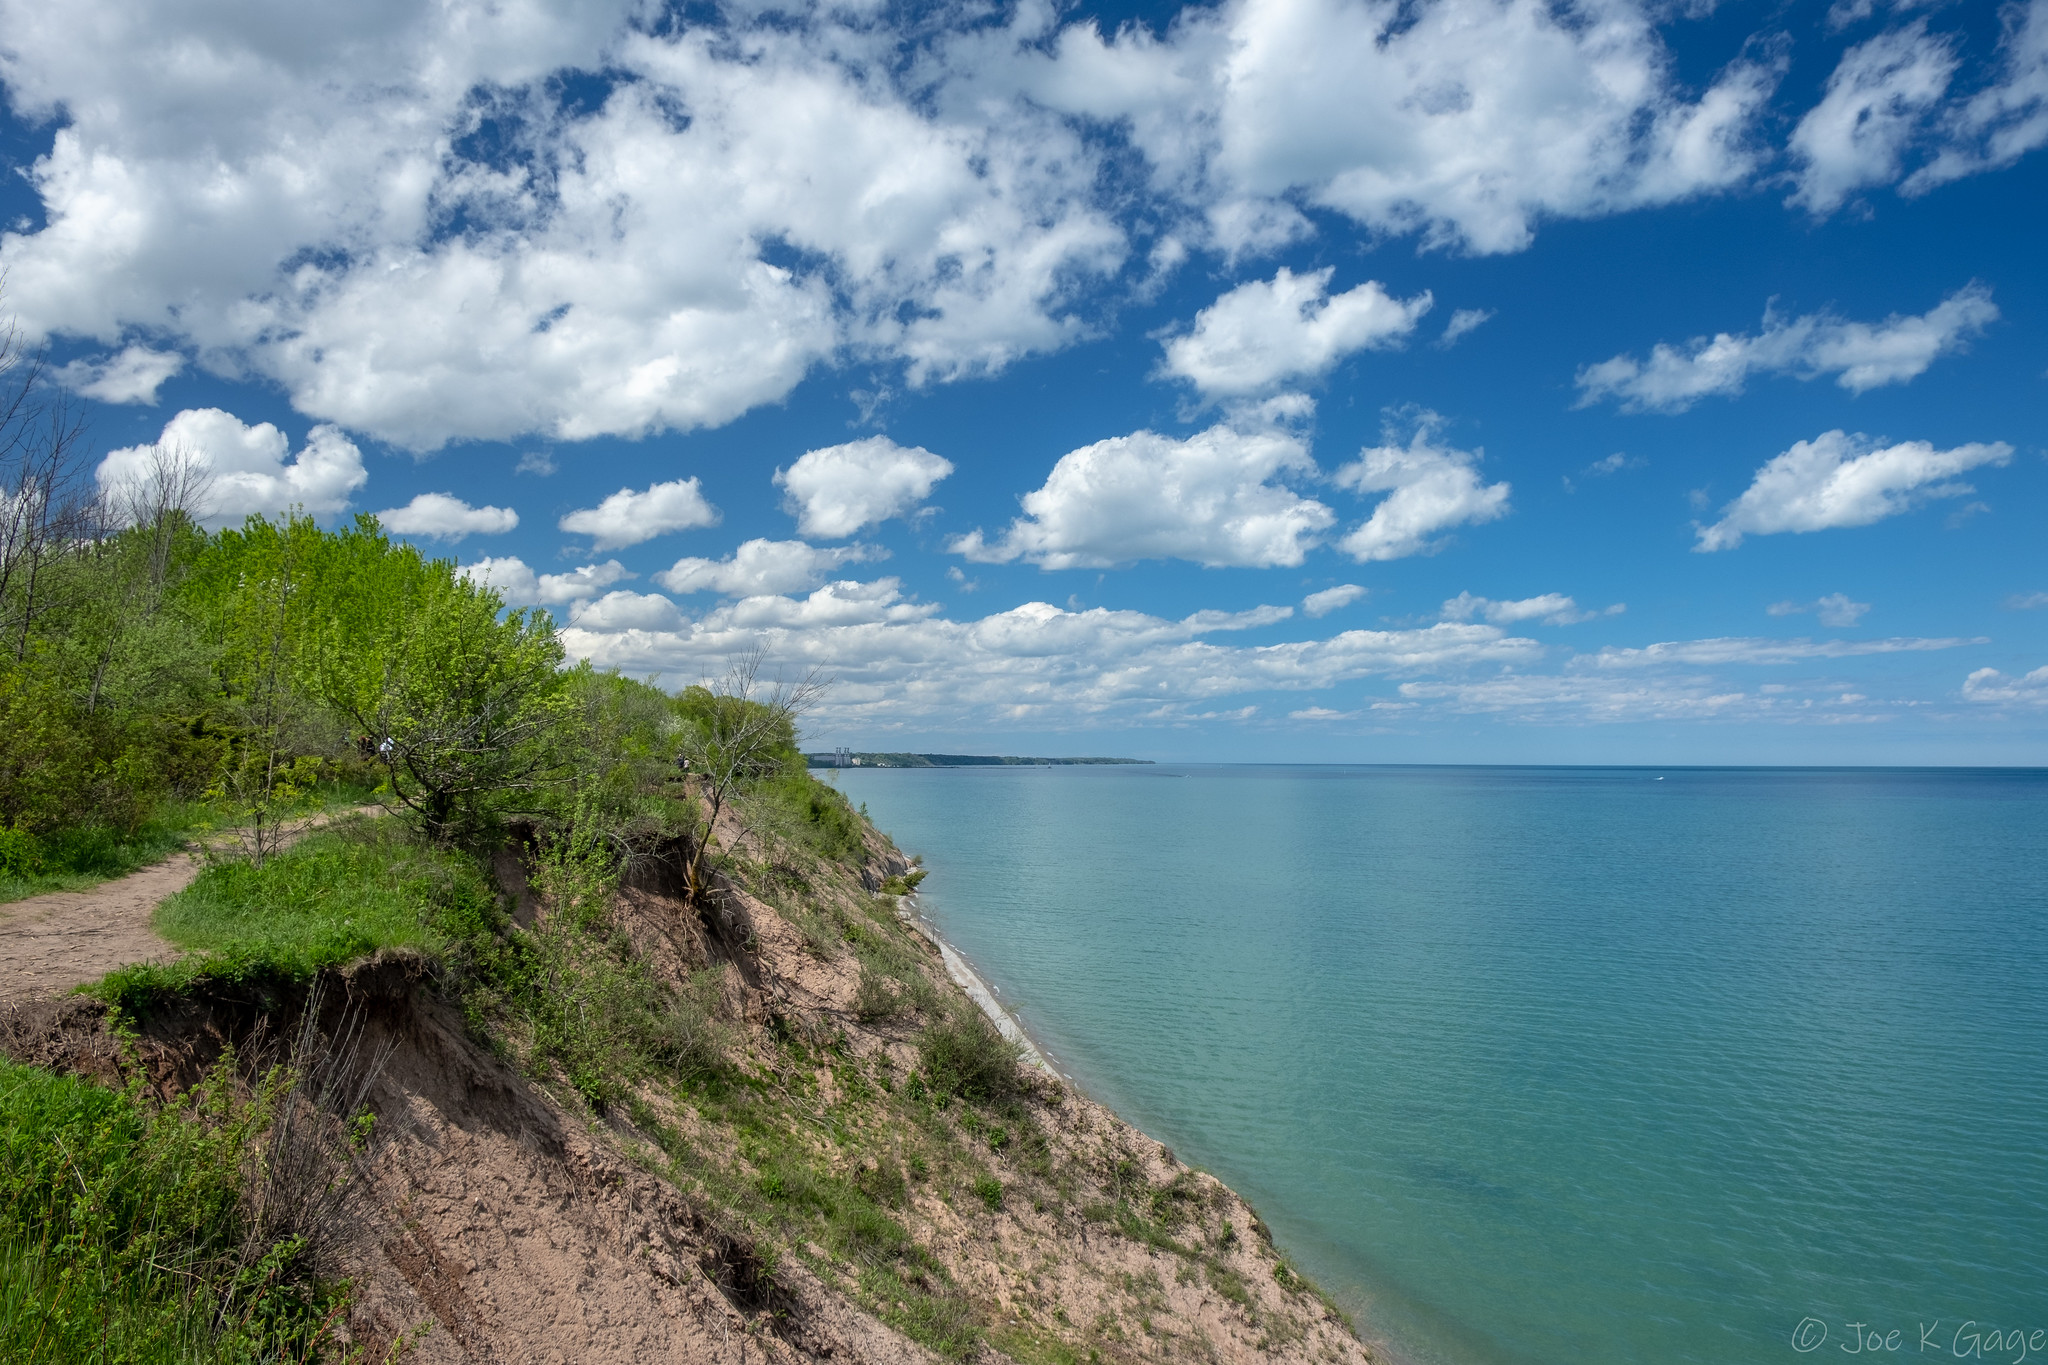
827, 1190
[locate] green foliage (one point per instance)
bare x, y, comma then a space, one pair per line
963, 1054
903, 884
102, 650
625, 735
807, 813
335, 896
989, 1191
571, 996
21, 854
163, 663
70, 859
123, 1237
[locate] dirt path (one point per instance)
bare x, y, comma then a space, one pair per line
52, 942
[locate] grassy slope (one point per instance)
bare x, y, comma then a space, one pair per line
884, 1138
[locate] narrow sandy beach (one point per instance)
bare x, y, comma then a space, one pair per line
977, 990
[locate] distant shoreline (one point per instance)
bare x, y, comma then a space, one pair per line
850, 759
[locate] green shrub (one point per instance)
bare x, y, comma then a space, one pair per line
964, 1055
804, 810
905, 884
571, 996
876, 997
21, 853
123, 1234
989, 1191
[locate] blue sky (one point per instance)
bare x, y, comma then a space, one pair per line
1297, 379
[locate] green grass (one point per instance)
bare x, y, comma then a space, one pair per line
121, 1237
333, 897
77, 859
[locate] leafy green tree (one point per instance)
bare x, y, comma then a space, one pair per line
461, 705
736, 731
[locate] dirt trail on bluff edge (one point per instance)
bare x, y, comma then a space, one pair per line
52, 942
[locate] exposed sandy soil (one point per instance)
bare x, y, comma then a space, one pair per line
52, 942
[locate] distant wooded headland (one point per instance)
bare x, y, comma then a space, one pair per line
845, 758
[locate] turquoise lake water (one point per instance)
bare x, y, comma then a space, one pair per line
1569, 1066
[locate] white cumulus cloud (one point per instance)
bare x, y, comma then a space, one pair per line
277, 198
762, 568
252, 472
1331, 599
902, 661
1266, 333
580, 583
516, 582
1465, 120
1551, 608
1430, 488
508, 575
1876, 99
132, 376
1214, 498
1992, 687
443, 516
1860, 355
403, 217
837, 491
628, 517
623, 610
1841, 480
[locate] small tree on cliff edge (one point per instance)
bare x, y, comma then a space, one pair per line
732, 736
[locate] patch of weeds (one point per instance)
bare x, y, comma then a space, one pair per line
572, 997
925, 1309
1172, 1204
1029, 1347
128, 1233
1229, 1284
989, 1191
1139, 1228
876, 997
883, 1182
963, 1054
867, 1235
